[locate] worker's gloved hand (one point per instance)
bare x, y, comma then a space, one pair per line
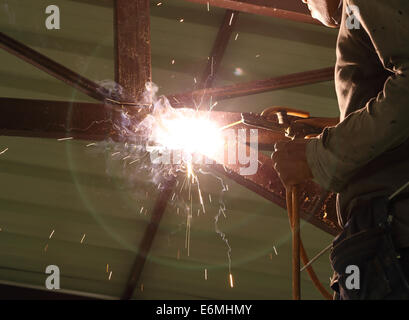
290, 162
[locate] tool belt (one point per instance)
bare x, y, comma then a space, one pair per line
366, 244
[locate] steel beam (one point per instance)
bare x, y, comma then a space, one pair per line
55, 119
88, 121
132, 47
219, 48
53, 68
132, 72
148, 237
200, 97
80, 120
187, 99
293, 10
317, 205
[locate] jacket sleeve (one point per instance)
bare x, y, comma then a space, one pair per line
381, 124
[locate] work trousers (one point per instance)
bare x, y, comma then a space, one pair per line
366, 263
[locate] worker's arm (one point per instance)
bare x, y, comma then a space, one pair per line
383, 123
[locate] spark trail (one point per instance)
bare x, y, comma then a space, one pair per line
166, 143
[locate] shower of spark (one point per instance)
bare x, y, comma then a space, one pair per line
168, 142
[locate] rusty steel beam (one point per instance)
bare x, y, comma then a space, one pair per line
203, 96
293, 10
85, 121
53, 68
133, 70
55, 119
148, 238
187, 99
88, 121
317, 205
132, 47
219, 48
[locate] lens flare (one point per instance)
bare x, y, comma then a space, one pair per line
154, 141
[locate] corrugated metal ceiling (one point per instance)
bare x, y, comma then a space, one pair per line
48, 185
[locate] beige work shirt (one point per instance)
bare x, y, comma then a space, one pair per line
367, 153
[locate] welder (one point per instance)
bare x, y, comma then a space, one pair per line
365, 157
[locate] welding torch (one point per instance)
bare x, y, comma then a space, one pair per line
280, 120
283, 120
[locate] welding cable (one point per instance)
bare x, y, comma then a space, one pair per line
292, 197
299, 250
